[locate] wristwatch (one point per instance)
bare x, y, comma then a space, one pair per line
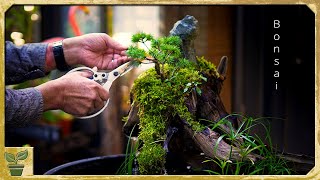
59, 56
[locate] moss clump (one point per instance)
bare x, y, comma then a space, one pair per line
207, 67
160, 94
152, 165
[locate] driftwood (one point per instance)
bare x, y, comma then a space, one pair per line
185, 142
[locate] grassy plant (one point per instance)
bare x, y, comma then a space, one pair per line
126, 167
270, 164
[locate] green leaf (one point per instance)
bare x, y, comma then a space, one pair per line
217, 143
149, 37
199, 91
9, 157
185, 90
204, 78
155, 43
22, 155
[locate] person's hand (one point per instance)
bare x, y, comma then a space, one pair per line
73, 93
95, 49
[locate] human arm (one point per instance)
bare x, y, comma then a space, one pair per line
24, 62
22, 106
34, 60
92, 50
73, 93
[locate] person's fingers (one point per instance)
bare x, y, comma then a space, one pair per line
91, 111
123, 58
104, 95
98, 104
95, 69
123, 53
111, 43
120, 52
115, 63
85, 73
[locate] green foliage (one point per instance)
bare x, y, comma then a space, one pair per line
141, 37
136, 53
160, 94
131, 150
271, 162
164, 50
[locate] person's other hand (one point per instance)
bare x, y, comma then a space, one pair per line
95, 49
73, 93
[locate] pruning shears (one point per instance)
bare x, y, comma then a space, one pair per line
105, 79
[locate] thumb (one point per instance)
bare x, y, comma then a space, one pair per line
86, 74
95, 69
104, 95
113, 44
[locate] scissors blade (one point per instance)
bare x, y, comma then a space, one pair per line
128, 68
124, 68
119, 71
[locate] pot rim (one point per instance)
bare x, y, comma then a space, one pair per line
81, 161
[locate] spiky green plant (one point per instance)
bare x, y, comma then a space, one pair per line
271, 162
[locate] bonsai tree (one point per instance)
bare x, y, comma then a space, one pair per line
178, 115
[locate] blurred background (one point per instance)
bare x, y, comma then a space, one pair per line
243, 33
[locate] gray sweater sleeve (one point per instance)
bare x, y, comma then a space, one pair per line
24, 62
21, 64
22, 106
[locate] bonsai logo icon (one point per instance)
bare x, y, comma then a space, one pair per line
15, 168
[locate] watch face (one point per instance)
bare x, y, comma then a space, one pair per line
57, 43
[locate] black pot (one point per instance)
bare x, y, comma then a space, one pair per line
104, 165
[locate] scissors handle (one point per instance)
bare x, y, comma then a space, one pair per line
97, 113
106, 86
111, 77
81, 69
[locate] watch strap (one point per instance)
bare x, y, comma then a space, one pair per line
59, 56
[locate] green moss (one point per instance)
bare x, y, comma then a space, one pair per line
158, 101
152, 165
207, 67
